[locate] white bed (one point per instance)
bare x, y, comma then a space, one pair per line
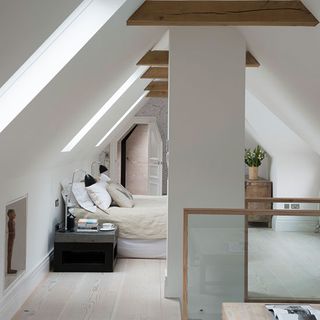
142, 229
143, 249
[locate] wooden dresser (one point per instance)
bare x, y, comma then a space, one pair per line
260, 188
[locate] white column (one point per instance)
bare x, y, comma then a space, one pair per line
206, 137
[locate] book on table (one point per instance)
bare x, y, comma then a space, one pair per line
87, 222
87, 225
83, 220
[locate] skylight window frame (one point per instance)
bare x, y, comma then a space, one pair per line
121, 119
105, 108
48, 60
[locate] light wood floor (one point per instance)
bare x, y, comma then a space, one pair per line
133, 292
284, 264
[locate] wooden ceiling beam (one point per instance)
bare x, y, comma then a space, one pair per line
157, 94
154, 58
223, 13
251, 61
156, 73
157, 86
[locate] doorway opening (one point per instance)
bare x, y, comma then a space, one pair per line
134, 159
138, 157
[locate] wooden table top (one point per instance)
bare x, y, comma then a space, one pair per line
87, 237
249, 311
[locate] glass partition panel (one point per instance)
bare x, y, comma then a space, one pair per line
215, 263
284, 261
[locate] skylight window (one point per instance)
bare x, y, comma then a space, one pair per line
52, 56
116, 96
121, 119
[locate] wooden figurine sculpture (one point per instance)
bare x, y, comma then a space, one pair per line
11, 236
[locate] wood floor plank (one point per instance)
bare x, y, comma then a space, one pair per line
284, 264
49, 298
133, 292
142, 292
93, 298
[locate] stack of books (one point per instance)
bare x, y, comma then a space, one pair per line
87, 225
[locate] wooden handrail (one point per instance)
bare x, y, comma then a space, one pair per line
250, 212
280, 200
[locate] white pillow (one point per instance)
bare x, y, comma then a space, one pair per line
104, 178
99, 195
82, 197
120, 195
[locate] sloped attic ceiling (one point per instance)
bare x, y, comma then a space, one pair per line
36, 137
24, 26
276, 140
288, 81
285, 83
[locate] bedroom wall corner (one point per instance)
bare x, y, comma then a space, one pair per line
206, 130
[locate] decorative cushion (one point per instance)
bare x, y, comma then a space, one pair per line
82, 197
104, 178
99, 195
89, 180
120, 195
102, 168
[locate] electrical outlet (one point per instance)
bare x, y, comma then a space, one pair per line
295, 206
57, 203
286, 206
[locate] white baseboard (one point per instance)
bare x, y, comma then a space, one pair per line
298, 224
15, 296
169, 296
170, 292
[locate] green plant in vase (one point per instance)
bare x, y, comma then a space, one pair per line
253, 160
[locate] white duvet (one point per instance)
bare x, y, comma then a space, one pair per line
146, 220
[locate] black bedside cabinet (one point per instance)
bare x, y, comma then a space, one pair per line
85, 251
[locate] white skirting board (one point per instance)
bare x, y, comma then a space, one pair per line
20, 290
295, 224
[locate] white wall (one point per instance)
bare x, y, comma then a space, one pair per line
295, 167
206, 130
296, 175
42, 187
